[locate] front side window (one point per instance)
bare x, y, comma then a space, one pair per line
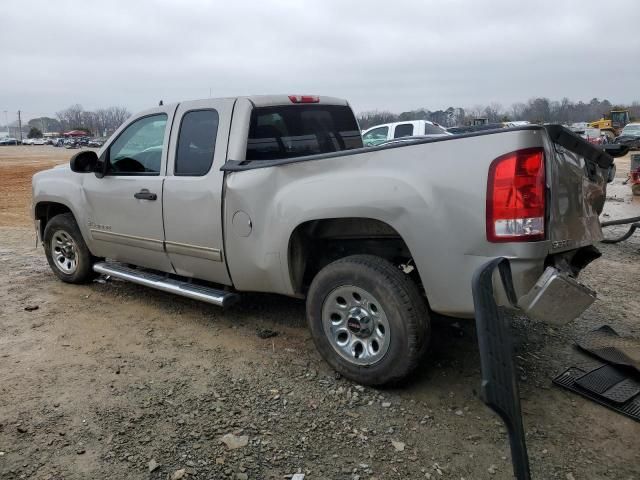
404, 130
375, 136
138, 149
196, 143
290, 131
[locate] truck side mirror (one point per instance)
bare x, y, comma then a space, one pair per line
616, 149
84, 162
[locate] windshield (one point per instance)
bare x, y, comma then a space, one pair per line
298, 130
631, 130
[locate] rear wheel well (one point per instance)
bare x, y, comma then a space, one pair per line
316, 243
45, 211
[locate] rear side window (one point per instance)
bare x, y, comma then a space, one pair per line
196, 143
433, 130
299, 130
403, 130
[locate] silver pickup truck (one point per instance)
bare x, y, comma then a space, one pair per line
276, 194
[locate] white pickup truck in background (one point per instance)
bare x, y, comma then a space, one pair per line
379, 134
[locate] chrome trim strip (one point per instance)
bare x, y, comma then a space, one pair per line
130, 240
184, 289
194, 251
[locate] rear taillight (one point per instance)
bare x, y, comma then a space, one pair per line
516, 197
304, 99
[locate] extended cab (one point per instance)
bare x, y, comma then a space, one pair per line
277, 194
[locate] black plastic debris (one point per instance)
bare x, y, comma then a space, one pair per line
499, 388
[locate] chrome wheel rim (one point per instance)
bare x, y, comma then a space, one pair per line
64, 252
356, 325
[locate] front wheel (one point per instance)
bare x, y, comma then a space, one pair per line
66, 252
368, 319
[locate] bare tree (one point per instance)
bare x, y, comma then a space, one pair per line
100, 122
494, 112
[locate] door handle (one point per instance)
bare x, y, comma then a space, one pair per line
145, 194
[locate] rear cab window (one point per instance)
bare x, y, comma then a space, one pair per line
289, 131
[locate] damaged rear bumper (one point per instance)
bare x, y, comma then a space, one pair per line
556, 298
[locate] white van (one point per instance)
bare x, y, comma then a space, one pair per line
414, 128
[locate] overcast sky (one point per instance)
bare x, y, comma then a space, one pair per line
393, 54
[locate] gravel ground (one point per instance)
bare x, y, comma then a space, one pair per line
111, 380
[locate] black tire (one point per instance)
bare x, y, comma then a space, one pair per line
405, 309
83, 271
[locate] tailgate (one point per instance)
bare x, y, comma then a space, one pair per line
577, 178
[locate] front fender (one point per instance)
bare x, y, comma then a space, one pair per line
60, 186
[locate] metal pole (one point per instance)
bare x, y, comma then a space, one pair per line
20, 125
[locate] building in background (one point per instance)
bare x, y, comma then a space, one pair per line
14, 130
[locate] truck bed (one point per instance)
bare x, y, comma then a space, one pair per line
432, 192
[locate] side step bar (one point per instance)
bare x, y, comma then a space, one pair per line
166, 284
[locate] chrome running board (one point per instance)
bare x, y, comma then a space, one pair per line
167, 284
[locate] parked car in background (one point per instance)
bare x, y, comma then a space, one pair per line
95, 142
630, 136
594, 136
37, 141
381, 133
518, 123
9, 141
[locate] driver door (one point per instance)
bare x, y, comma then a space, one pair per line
124, 208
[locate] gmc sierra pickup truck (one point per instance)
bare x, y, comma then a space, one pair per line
210, 198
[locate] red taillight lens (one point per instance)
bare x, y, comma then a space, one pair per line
304, 99
516, 197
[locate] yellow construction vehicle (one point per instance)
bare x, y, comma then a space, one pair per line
613, 122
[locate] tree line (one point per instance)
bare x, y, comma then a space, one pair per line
100, 122
536, 110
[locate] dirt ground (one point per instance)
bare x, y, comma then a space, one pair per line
100, 380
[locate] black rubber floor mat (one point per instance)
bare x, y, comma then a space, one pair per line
568, 379
605, 343
610, 383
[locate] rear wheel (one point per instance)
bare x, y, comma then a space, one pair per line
368, 319
66, 252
